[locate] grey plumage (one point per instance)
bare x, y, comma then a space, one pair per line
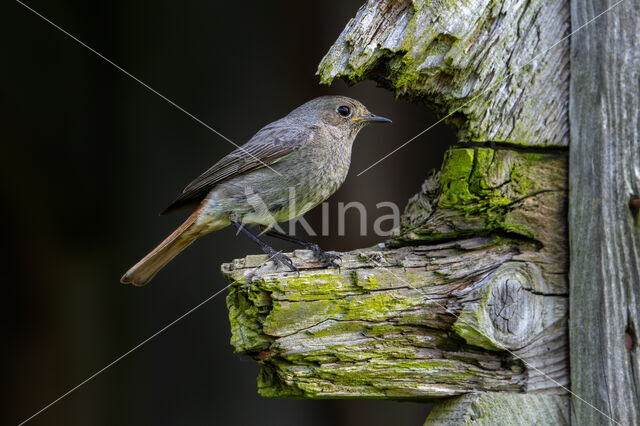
308, 154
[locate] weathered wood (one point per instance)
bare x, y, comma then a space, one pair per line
380, 328
604, 234
494, 65
500, 409
472, 314
483, 190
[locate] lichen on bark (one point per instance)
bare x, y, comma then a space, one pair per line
466, 60
481, 190
379, 328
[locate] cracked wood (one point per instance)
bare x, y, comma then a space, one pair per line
437, 318
393, 323
500, 68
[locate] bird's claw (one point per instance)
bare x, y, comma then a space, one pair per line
328, 258
281, 259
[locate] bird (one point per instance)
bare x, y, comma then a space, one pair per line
287, 168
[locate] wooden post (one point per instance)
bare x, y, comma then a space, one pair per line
604, 227
469, 300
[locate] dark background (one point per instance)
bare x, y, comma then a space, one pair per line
91, 156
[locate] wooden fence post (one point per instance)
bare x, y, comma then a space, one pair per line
603, 218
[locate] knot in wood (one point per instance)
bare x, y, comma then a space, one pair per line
504, 312
506, 305
511, 310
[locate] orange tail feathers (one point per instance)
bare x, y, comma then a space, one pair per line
143, 271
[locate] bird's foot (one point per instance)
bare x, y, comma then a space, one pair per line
327, 258
280, 259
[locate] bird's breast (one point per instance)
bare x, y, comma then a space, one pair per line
318, 172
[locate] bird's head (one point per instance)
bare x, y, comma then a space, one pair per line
340, 112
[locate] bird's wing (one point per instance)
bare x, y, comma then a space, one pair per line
269, 145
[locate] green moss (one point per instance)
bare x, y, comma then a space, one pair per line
381, 329
380, 378
336, 328
464, 186
478, 190
246, 319
287, 317
467, 323
465, 328
271, 386
345, 346
328, 284
370, 283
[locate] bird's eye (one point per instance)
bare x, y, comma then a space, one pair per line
344, 110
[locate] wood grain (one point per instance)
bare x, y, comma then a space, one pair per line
482, 310
491, 409
499, 68
426, 321
604, 234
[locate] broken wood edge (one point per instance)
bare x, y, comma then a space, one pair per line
488, 310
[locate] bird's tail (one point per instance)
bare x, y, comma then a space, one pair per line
143, 271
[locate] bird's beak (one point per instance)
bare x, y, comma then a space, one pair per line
372, 119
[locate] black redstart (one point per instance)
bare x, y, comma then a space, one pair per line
286, 169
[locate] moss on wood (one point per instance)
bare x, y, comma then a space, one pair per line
406, 323
473, 62
362, 332
480, 190
381, 327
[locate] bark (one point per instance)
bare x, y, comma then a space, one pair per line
605, 234
470, 295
